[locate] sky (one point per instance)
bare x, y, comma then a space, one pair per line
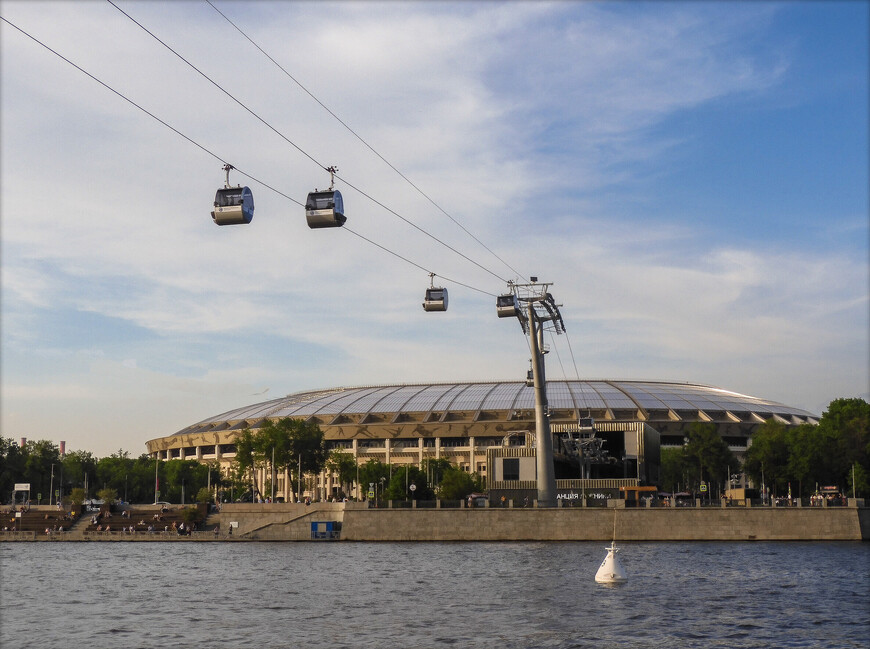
692, 177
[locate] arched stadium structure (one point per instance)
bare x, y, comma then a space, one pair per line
401, 424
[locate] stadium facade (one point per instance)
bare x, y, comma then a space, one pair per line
461, 422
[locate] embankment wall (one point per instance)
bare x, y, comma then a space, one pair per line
359, 523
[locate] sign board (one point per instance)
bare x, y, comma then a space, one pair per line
703, 486
22, 486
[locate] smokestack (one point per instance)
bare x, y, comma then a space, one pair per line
23, 442
62, 448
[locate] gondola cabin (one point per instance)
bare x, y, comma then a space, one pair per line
233, 206
325, 209
435, 300
506, 306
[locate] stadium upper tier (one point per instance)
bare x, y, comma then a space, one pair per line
663, 405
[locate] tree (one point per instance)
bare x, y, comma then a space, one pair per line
293, 440
456, 484
767, 459
845, 427
246, 457
400, 484
203, 495
377, 473
435, 469
77, 496
107, 495
77, 465
674, 468
187, 476
708, 455
344, 466
41, 462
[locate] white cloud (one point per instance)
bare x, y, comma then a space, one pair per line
515, 117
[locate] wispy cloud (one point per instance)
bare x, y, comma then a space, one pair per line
546, 128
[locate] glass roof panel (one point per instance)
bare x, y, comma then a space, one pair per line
613, 397
398, 400
471, 398
371, 400
443, 402
559, 396
424, 401
502, 397
585, 397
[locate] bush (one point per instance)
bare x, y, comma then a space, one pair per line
107, 495
76, 496
204, 495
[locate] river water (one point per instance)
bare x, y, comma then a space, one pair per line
500, 595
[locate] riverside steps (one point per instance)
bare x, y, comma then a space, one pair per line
442, 521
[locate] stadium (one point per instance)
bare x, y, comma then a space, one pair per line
467, 423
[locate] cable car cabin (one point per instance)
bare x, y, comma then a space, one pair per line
325, 209
233, 206
435, 300
506, 306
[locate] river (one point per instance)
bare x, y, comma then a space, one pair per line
500, 595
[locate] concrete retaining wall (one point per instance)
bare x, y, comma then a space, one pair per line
293, 522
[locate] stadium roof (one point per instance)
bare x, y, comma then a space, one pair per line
652, 401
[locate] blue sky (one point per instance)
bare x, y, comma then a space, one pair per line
692, 177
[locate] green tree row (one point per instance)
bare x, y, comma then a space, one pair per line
291, 445
117, 476
805, 456
705, 457
808, 457
432, 479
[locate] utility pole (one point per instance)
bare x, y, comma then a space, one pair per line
535, 308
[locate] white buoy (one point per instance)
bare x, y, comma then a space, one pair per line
611, 570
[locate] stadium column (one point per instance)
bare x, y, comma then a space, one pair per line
388, 449
471, 455
286, 490
356, 459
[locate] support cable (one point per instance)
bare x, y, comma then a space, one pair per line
405, 259
218, 157
296, 146
360, 138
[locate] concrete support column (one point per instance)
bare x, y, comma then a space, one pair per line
217, 452
199, 453
437, 448
287, 490
419, 452
355, 448
388, 448
471, 465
